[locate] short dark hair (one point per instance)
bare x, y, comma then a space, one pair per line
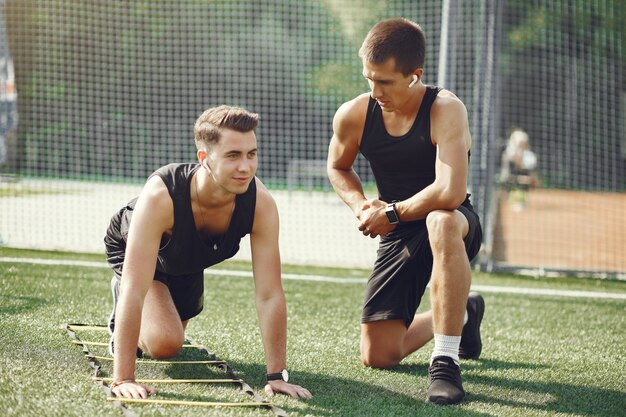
208, 128
397, 38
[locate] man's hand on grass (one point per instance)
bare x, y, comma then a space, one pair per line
131, 389
296, 391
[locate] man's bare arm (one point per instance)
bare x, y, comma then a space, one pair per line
343, 149
270, 298
152, 215
450, 133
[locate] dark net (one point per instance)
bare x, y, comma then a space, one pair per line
108, 91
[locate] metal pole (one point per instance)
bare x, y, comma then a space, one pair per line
443, 43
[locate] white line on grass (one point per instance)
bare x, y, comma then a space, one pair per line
321, 278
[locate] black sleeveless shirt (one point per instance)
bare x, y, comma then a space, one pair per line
402, 165
185, 251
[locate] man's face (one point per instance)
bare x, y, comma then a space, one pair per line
233, 160
389, 86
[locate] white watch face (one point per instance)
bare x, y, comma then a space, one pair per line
391, 215
285, 375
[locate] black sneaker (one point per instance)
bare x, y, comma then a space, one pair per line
444, 382
471, 345
115, 291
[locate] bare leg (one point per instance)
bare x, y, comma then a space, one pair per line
450, 283
162, 332
420, 332
385, 343
382, 343
451, 275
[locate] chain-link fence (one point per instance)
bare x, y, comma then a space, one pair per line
108, 91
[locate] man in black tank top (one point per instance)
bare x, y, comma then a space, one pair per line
187, 218
416, 139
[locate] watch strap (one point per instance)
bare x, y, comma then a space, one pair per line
392, 214
278, 376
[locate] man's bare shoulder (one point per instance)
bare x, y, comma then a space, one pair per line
265, 211
155, 188
349, 121
352, 113
156, 197
448, 104
448, 101
264, 199
448, 109
448, 118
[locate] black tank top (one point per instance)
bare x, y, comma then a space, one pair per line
402, 165
184, 252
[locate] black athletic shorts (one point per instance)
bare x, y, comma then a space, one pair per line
403, 268
187, 292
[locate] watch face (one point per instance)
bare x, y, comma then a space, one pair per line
285, 375
391, 215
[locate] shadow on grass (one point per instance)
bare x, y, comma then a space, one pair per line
14, 304
483, 380
482, 365
332, 395
554, 397
550, 397
337, 396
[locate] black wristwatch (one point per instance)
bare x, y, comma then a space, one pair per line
392, 216
282, 376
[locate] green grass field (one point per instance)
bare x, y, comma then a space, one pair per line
543, 355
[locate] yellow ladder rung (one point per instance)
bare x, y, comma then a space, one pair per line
108, 358
193, 403
85, 342
175, 381
81, 342
87, 327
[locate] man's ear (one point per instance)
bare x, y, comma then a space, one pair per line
418, 73
202, 158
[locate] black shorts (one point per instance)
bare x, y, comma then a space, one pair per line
187, 292
403, 268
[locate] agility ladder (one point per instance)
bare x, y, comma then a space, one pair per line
119, 402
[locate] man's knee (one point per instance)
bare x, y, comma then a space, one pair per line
381, 343
380, 360
440, 222
162, 346
445, 226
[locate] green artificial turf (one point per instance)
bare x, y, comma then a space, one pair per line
542, 355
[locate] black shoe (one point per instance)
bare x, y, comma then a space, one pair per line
115, 291
444, 382
471, 345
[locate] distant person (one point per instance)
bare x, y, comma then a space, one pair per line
8, 106
3, 150
518, 169
416, 138
189, 217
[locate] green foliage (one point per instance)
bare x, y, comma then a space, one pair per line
562, 63
129, 78
593, 26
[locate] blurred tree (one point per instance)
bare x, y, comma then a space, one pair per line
562, 66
